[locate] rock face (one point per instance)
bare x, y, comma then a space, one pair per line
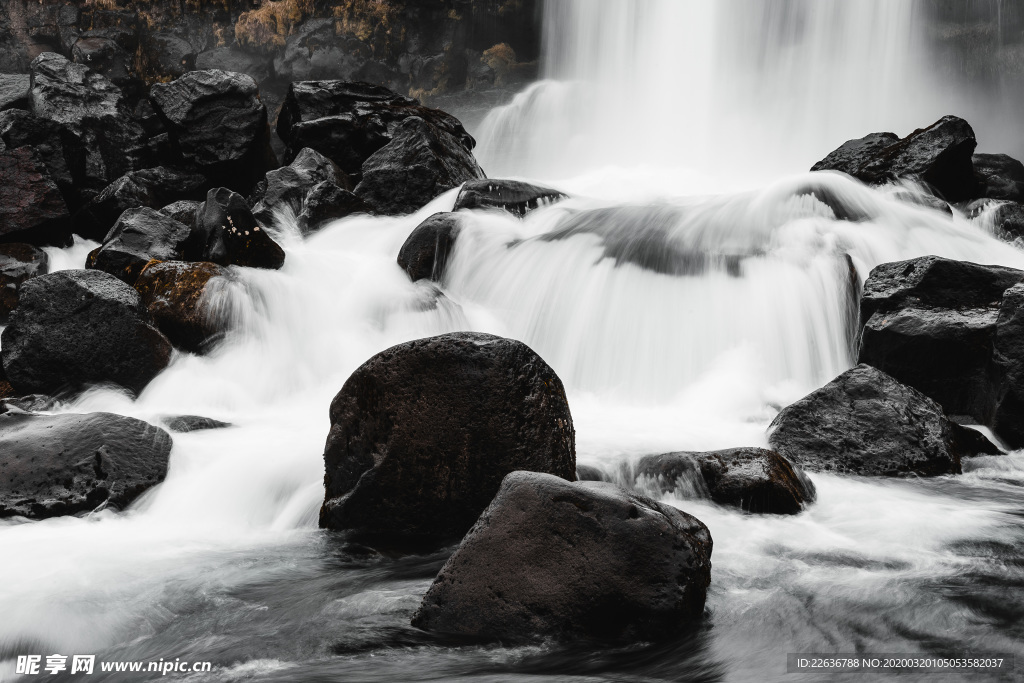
53, 465
753, 479
174, 293
569, 561
939, 155
138, 237
32, 208
516, 197
425, 252
929, 323
226, 233
421, 162
999, 177
78, 327
423, 433
865, 422
217, 121
18, 262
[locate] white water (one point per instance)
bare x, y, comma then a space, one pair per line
223, 560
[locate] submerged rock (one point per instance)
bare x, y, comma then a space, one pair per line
1008, 369
424, 254
586, 560
175, 294
53, 465
753, 479
18, 262
73, 328
193, 423
225, 232
59, 150
423, 433
865, 422
518, 198
138, 237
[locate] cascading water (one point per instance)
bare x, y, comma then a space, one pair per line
679, 319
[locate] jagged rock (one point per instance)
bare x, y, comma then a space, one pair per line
589, 473
14, 91
518, 198
226, 233
32, 208
327, 202
999, 177
56, 146
753, 479
193, 423
939, 155
1008, 220
550, 559
423, 433
175, 293
150, 187
217, 121
421, 162
865, 422
18, 262
425, 252
286, 188
138, 237
183, 211
53, 465
73, 328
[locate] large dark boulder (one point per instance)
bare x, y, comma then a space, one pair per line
328, 202
753, 479
32, 208
149, 187
349, 121
423, 433
929, 323
217, 121
865, 422
421, 162
18, 262
225, 232
73, 328
183, 210
550, 559
140, 236
514, 196
53, 465
56, 146
176, 295
999, 177
1008, 369
939, 155
425, 252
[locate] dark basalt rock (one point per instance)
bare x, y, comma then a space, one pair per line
53, 465
423, 433
421, 162
193, 423
57, 147
327, 202
999, 177
970, 442
349, 121
174, 293
150, 187
939, 155
73, 328
226, 233
865, 422
139, 237
753, 479
32, 403
183, 211
217, 121
175, 55
1008, 369
14, 91
516, 197
18, 262
289, 187
550, 559
32, 208
425, 252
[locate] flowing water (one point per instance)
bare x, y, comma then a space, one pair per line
681, 304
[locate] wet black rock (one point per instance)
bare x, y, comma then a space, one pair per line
18, 262
32, 208
420, 162
74, 328
14, 91
183, 211
999, 177
550, 559
1008, 220
140, 236
217, 121
53, 465
865, 422
516, 197
327, 202
56, 146
753, 479
425, 252
226, 233
1008, 369
423, 433
176, 296
193, 423
939, 155
175, 55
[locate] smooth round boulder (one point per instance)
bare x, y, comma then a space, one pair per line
425, 252
550, 559
423, 433
53, 465
999, 177
74, 328
865, 422
32, 208
176, 295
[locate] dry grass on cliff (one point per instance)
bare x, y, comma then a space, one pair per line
272, 23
